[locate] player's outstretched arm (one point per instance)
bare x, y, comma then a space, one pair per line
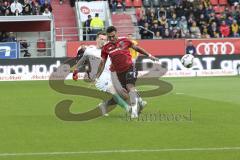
76, 68
100, 68
82, 55
144, 52
80, 62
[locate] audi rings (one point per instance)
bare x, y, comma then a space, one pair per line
215, 48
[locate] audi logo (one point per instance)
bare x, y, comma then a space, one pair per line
215, 48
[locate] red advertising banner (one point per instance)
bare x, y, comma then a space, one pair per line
176, 47
155, 47
217, 46
163, 47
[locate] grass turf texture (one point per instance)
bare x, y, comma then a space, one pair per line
28, 123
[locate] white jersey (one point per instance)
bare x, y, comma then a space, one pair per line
93, 55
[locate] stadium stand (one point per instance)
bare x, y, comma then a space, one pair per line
26, 7
123, 23
176, 18
65, 21
201, 17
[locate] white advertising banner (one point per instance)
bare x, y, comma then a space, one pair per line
90, 8
186, 73
43, 68
217, 72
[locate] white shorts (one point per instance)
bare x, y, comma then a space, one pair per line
104, 83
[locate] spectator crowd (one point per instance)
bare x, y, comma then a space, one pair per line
190, 19
25, 7
7, 37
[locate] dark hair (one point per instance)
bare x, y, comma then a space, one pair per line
101, 33
111, 29
96, 15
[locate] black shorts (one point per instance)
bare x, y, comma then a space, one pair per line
128, 77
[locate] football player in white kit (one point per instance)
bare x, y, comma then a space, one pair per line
92, 55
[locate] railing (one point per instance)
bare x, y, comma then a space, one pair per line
65, 32
141, 27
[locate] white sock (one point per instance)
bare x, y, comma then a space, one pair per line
133, 97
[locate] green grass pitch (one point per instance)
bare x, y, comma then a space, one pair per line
29, 129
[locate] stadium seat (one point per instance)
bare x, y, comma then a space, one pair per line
137, 3
219, 9
41, 45
222, 9
223, 2
216, 9
214, 2
156, 3
138, 12
129, 3
146, 3
119, 5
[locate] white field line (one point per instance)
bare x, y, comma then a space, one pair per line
179, 93
116, 151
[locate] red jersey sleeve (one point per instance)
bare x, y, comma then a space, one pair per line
104, 53
127, 43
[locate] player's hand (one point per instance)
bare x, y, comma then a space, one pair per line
75, 75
